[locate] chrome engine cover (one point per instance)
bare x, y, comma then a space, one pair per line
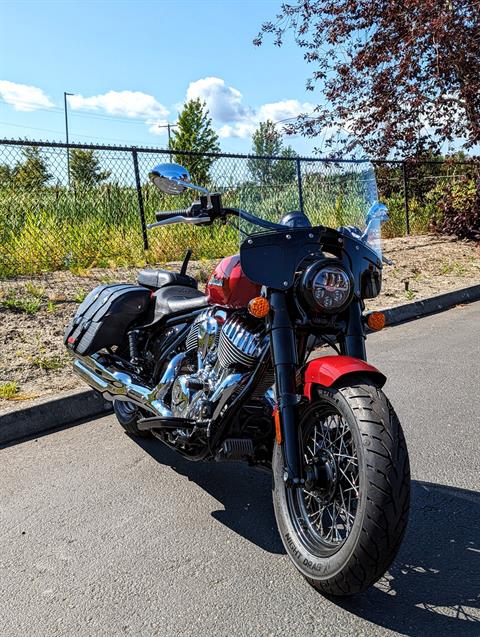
181, 396
205, 332
226, 348
239, 343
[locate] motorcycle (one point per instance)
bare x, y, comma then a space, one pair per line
239, 373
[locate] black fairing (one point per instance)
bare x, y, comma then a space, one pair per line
103, 318
273, 258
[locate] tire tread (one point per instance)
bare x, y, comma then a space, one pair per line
387, 506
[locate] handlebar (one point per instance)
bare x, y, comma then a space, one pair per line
195, 214
263, 223
205, 212
210, 208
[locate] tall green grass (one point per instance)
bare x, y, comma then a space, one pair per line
56, 228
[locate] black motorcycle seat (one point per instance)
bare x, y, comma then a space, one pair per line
173, 299
159, 278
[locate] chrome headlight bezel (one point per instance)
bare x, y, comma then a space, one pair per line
309, 285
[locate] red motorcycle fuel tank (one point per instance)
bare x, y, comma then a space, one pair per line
228, 286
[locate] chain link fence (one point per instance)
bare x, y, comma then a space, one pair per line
72, 206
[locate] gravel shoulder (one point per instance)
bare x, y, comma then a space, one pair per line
35, 310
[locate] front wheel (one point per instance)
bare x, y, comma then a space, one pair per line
344, 528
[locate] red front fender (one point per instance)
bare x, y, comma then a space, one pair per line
326, 370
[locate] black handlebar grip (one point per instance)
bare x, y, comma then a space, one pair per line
161, 215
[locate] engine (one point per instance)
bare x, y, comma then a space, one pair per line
223, 350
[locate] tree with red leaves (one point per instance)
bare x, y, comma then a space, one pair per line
395, 76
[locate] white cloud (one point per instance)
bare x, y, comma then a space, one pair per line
284, 109
225, 103
238, 129
24, 97
121, 103
230, 114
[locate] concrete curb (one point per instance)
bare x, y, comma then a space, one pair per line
432, 305
69, 410
52, 414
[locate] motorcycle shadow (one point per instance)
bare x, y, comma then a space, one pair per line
433, 587
245, 493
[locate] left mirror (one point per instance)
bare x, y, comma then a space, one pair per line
172, 179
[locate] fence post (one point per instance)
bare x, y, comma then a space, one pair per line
141, 210
299, 181
405, 195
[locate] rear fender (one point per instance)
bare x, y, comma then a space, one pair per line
328, 370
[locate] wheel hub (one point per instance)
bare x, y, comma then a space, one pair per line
322, 476
325, 508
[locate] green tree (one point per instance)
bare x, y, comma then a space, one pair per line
85, 169
195, 133
286, 171
267, 140
32, 173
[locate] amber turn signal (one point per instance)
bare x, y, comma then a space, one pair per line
376, 321
278, 431
259, 307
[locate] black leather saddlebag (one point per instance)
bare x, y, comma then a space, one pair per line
104, 317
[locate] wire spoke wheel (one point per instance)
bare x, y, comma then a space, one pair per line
343, 526
324, 511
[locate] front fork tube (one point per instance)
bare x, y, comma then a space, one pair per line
285, 360
354, 343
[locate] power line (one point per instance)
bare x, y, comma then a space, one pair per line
88, 115
58, 132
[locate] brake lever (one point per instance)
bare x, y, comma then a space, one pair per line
180, 219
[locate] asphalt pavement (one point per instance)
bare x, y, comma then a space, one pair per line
104, 535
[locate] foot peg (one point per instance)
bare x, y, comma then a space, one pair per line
235, 449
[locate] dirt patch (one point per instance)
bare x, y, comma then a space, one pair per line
425, 266
35, 310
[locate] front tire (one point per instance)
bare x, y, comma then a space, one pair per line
343, 530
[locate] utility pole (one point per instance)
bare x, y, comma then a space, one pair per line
169, 127
65, 95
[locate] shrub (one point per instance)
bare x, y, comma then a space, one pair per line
395, 226
25, 304
419, 214
459, 209
8, 390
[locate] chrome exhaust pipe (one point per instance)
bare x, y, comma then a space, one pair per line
115, 384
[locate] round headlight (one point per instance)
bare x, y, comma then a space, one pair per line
327, 286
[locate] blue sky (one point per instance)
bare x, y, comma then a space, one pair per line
132, 64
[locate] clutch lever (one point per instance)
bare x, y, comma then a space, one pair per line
180, 219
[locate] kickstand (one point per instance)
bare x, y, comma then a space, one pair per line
186, 259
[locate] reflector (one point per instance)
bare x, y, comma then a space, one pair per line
376, 321
278, 431
259, 307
